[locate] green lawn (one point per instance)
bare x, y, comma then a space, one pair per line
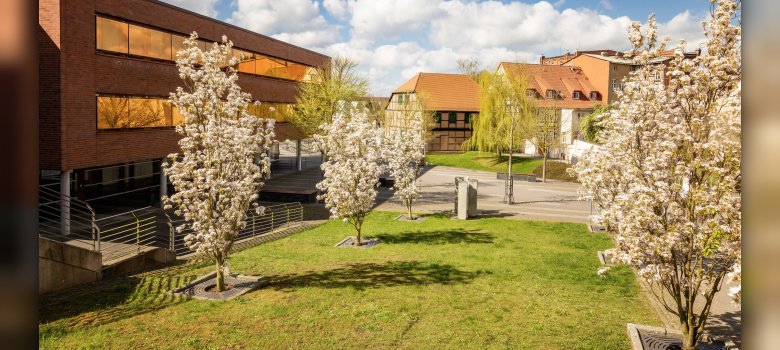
443, 283
490, 162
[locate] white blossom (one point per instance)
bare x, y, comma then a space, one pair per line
404, 153
602, 271
667, 177
224, 150
352, 146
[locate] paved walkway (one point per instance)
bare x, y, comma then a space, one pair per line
551, 201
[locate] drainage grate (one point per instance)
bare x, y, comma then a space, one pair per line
239, 285
655, 341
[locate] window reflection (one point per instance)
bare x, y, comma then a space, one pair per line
132, 112
150, 43
121, 37
111, 35
115, 112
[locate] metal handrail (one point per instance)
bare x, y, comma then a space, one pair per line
256, 225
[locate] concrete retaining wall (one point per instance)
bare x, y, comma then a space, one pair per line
61, 265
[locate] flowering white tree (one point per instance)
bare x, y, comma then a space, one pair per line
667, 177
352, 145
404, 153
217, 175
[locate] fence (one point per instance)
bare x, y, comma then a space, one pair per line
130, 233
116, 236
274, 217
61, 215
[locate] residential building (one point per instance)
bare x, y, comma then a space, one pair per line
564, 89
608, 68
106, 70
452, 99
561, 59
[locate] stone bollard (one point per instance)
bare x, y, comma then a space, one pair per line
466, 198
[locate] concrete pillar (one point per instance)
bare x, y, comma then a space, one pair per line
163, 185
65, 202
298, 158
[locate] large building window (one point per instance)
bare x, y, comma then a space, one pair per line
150, 43
137, 40
135, 112
117, 112
111, 35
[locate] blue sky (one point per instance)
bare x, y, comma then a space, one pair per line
393, 40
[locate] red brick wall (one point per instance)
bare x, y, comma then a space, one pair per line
49, 83
69, 135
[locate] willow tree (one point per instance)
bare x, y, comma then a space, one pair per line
503, 107
333, 87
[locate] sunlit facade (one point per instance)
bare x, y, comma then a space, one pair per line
107, 68
116, 36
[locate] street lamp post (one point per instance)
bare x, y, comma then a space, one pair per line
510, 181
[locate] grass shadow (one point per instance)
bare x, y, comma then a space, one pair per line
454, 236
111, 300
374, 275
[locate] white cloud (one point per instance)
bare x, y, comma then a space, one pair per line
684, 26
373, 19
338, 8
296, 21
519, 26
204, 7
393, 40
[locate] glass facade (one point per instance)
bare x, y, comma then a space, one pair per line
150, 43
111, 35
125, 38
136, 112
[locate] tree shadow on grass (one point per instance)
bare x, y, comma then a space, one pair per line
107, 301
454, 236
372, 275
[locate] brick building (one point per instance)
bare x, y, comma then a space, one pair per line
106, 69
453, 99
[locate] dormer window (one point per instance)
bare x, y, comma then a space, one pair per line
576, 95
551, 94
594, 95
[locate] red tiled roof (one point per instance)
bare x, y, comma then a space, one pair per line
444, 92
563, 79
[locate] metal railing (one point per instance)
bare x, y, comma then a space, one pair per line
130, 233
274, 217
64, 216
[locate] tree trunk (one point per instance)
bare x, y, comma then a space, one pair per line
220, 278
358, 228
544, 167
409, 208
689, 338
